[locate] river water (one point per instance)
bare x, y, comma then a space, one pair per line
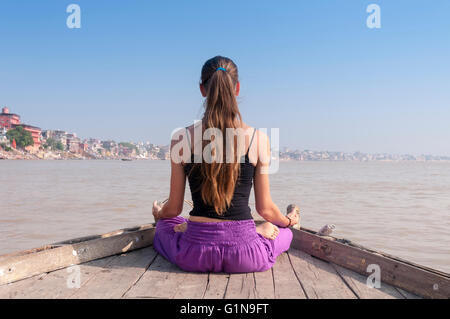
401, 208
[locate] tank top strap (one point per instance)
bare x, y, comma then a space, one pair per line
188, 136
251, 141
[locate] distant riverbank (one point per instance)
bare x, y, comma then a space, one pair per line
14, 154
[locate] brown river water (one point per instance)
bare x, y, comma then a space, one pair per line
401, 208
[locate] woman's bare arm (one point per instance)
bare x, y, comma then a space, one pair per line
265, 207
174, 206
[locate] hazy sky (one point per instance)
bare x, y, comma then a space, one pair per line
312, 68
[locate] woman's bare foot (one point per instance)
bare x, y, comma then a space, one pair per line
180, 228
268, 230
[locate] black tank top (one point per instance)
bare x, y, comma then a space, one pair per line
238, 209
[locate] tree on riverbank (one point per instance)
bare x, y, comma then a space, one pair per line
22, 137
54, 144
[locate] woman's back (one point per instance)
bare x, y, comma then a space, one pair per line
238, 208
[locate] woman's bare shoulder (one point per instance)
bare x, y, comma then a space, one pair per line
191, 128
259, 135
247, 128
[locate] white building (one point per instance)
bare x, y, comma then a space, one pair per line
3, 138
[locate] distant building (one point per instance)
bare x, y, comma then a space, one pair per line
3, 138
73, 143
83, 147
10, 121
7, 120
70, 141
56, 135
127, 151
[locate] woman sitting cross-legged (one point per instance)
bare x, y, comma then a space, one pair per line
220, 234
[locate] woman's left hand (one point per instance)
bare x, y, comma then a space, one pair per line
294, 214
155, 210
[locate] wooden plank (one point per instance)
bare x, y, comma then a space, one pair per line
264, 286
318, 278
54, 284
217, 286
408, 295
20, 266
193, 286
241, 286
287, 285
161, 280
416, 279
114, 280
21, 288
358, 284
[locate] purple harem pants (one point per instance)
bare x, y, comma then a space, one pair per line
230, 247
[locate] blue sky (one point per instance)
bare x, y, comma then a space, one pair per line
312, 69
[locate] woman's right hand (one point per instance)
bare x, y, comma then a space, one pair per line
155, 210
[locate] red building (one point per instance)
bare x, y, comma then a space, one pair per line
10, 120
7, 120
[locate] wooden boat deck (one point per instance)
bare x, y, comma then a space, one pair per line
143, 273
123, 264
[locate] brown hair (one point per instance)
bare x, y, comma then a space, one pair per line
219, 78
